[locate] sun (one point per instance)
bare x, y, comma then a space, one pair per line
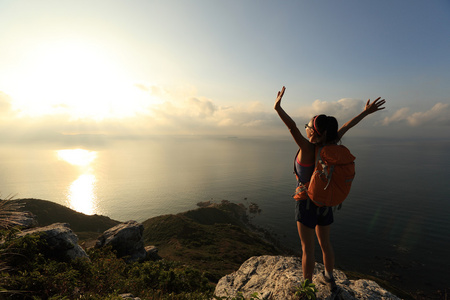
79, 79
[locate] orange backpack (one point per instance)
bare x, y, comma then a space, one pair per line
332, 178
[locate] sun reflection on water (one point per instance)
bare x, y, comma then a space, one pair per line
81, 194
77, 157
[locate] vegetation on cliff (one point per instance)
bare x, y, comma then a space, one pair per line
34, 276
85, 226
216, 239
198, 247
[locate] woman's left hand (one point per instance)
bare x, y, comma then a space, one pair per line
375, 105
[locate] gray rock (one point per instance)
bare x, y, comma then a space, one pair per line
277, 277
129, 296
26, 220
126, 240
152, 253
62, 241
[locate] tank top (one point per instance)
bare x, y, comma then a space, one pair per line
304, 172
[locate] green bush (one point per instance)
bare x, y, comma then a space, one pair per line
307, 290
168, 277
103, 277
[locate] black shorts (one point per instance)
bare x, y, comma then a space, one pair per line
314, 215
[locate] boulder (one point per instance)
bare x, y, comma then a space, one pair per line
126, 240
277, 277
129, 296
26, 220
152, 253
62, 241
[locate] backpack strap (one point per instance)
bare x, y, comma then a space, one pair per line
300, 189
327, 171
325, 211
318, 154
295, 171
328, 175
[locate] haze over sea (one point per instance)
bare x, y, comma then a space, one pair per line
394, 222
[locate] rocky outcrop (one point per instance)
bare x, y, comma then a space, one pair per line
152, 253
129, 296
62, 241
126, 240
26, 220
277, 277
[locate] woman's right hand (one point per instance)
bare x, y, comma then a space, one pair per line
279, 96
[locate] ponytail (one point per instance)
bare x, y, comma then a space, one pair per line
332, 130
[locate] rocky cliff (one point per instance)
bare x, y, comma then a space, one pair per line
270, 274
270, 277
278, 277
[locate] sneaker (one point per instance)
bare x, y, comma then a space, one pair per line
329, 282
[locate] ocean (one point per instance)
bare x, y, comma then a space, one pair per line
394, 223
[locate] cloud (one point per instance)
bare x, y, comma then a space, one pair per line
343, 109
181, 110
399, 116
5, 105
201, 115
347, 108
178, 110
143, 87
201, 107
438, 115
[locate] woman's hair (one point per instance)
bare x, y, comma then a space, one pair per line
328, 124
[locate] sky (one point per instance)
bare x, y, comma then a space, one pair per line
132, 69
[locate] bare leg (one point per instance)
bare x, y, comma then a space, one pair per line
307, 238
323, 235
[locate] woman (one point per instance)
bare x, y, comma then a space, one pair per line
320, 130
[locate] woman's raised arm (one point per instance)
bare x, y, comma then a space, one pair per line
369, 108
298, 137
